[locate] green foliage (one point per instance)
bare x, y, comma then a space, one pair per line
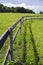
41, 12
10, 63
14, 63
12, 9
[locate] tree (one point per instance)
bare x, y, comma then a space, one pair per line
20, 9
41, 12
1, 8
16, 9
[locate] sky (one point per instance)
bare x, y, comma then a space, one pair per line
35, 5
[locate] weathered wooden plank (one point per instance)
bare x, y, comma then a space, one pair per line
33, 18
11, 44
5, 35
3, 38
36, 17
16, 34
15, 24
6, 57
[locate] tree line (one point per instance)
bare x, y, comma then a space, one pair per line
41, 12
15, 9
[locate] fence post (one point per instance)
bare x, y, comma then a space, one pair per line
20, 25
11, 44
21, 21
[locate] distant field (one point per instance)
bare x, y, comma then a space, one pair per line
36, 27
7, 19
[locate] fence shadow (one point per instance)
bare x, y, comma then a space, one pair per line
34, 46
24, 45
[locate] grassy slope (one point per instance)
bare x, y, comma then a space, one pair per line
37, 28
7, 20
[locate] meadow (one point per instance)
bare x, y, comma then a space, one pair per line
28, 46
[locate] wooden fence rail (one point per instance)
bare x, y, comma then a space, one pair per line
9, 33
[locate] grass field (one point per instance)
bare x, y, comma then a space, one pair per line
29, 43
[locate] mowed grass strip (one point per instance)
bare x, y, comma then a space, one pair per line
37, 29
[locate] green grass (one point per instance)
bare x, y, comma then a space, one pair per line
7, 19
31, 34
37, 29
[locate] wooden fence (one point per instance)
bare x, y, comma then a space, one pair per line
9, 33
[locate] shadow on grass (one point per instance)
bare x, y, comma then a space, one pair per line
15, 63
34, 46
24, 45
